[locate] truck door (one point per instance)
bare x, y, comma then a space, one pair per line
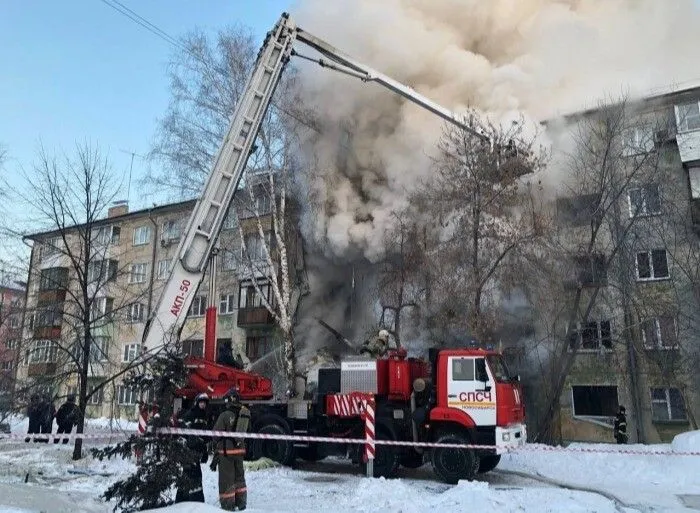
471, 388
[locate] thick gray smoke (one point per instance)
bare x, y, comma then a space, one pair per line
538, 57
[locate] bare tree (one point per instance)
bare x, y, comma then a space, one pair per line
80, 296
480, 217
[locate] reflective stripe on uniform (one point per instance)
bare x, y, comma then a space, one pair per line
227, 495
232, 452
241, 490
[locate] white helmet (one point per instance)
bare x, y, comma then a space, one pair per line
383, 335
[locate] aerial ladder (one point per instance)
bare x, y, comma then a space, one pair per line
202, 230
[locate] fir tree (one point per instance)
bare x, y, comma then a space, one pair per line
160, 470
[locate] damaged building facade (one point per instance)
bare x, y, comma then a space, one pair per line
640, 344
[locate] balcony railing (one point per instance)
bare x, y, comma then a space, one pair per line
257, 316
41, 369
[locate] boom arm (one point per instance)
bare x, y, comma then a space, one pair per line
204, 225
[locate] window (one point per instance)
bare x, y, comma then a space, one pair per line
106, 235
652, 265
55, 278
126, 396
43, 351
694, 176
198, 307
591, 269
227, 303
644, 201
578, 210
101, 308
136, 312
255, 246
193, 347
258, 346
263, 204
137, 273
637, 140
164, 268
142, 235
688, 117
171, 229
463, 369
13, 321
230, 221
99, 349
248, 297
592, 336
594, 401
102, 271
6, 365
48, 317
131, 352
12, 344
96, 397
660, 333
228, 260
667, 404
50, 247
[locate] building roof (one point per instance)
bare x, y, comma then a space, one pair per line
159, 209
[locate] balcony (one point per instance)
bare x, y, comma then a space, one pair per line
50, 297
251, 317
41, 369
46, 333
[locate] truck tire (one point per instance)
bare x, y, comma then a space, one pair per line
488, 462
453, 465
312, 453
386, 457
281, 451
411, 459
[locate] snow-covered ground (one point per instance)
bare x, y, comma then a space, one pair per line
646, 483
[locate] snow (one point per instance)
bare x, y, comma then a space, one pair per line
640, 482
686, 442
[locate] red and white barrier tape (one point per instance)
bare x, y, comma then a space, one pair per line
363, 441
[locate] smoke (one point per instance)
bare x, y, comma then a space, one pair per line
537, 57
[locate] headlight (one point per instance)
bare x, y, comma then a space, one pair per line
506, 437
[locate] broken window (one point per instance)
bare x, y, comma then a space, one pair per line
667, 404
258, 346
591, 269
652, 265
578, 210
644, 201
594, 400
592, 336
659, 333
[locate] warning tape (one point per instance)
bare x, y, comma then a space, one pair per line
361, 441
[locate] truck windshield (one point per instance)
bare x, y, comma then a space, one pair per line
498, 367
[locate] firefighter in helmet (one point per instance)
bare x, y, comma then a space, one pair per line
196, 417
230, 452
377, 346
620, 428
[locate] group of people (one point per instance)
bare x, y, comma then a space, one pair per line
42, 412
228, 452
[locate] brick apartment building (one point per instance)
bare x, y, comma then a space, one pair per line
138, 249
640, 347
11, 311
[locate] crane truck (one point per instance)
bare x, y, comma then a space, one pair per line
462, 396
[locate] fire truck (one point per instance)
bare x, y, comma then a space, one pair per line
456, 396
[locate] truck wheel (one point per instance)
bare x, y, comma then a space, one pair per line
453, 465
386, 457
314, 452
281, 451
411, 459
489, 462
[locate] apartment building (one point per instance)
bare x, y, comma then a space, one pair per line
11, 311
640, 346
136, 251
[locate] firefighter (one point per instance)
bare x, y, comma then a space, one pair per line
66, 417
47, 413
620, 428
377, 346
230, 452
196, 418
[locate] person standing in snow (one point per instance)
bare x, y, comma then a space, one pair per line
34, 415
230, 452
46, 415
620, 428
67, 417
196, 418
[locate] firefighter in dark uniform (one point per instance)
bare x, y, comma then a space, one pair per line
377, 346
230, 452
620, 428
196, 418
66, 417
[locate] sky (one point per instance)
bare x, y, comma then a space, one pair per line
78, 70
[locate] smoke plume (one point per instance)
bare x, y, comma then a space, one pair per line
537, 57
